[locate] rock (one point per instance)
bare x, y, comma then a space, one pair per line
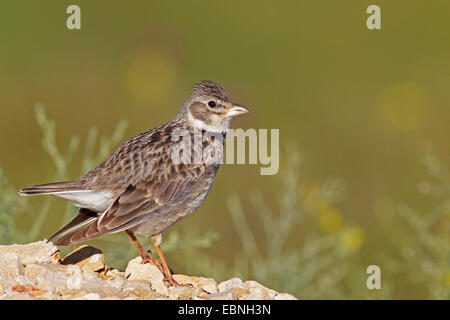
229, 284
185, 292
3, 287
146, 272
222, 295
62, 280
114, 278
35, 252
23, 280
117, 282
256, 294
34, 271
86, 257
10, 266
139, 290
54, 282
103, 290
89, 274
18, 296
208, 285
28, 288
90, 296
257, 289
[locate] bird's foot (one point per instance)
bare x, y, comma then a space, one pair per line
168, 278
149, 259
171, 281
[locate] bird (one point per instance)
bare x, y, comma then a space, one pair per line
151, 181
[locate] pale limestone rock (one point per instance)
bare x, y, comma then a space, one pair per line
185, 292
101, 288
222, 295
146, 272
89, 296
54, 282
231, 283
139, 290
86, 257
48, 295
115, 277
73, 273
42, 277
89, 274
10, 266
116, 282
18, 296
35, 252
256, 294
23, 280
30, 289
63, 282
112, 273
251, 285
208, 285
2, 288
75, 277
77, 294
34, 269
5, 286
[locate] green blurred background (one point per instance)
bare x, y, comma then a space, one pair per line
358, 104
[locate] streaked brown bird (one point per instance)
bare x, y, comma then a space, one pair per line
153, 179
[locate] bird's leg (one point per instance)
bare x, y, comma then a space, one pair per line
157, 240
145, 256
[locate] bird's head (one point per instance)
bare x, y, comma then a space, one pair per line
210, 108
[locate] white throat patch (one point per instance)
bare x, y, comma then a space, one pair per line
201, 125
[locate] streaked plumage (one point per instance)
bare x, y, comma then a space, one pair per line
139, 189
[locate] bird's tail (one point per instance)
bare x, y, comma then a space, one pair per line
77, 230
51, 188
84, 216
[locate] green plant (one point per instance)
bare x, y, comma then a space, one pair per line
421, 240
315, 267
13, 207
311, 268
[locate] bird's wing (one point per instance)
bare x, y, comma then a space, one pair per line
136, 201
84, 217
143, 178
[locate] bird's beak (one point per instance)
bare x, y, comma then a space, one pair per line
236, 110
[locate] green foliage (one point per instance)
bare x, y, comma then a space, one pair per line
9, 206
313, 267
13, 207
320, 265
422, 245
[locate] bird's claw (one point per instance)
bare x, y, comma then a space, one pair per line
149, 259
171, 281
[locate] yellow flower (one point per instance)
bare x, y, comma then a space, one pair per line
353, 238
331, 220
310, 198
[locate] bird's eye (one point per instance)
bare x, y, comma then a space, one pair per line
212, 104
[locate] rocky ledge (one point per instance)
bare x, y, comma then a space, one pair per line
36, 271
